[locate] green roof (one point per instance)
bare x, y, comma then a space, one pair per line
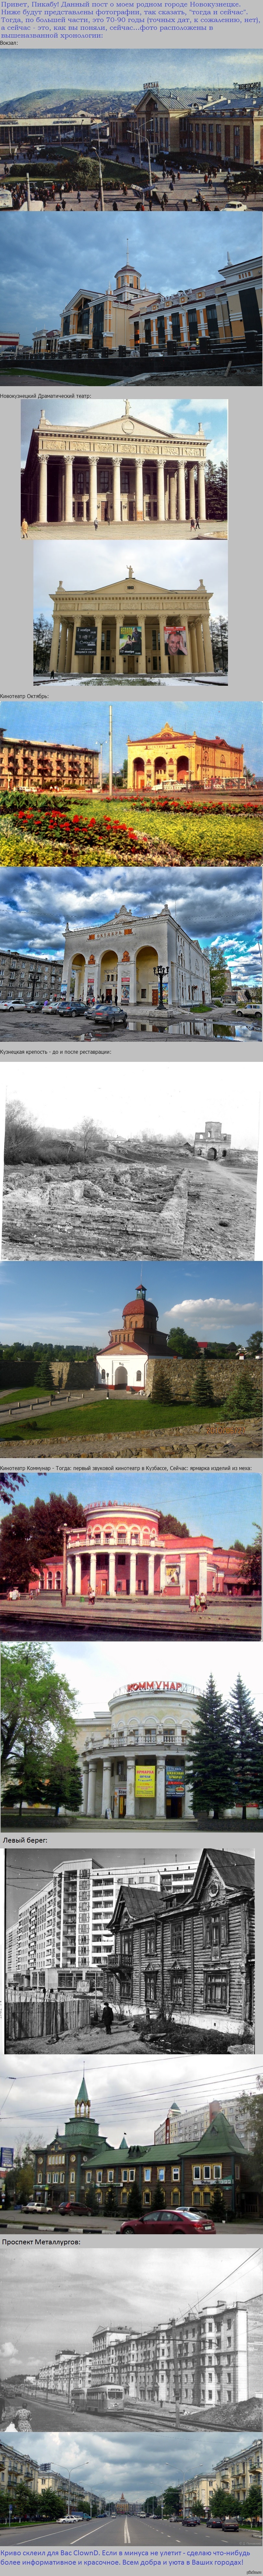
83, 2096
220, 2139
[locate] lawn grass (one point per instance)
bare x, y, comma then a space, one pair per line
205, 837
105, 1420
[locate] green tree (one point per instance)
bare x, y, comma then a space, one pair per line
64, 1783
171, 2501
158, 2198
252, 2506
31, 1533
254, 1346
222, 2503
37, 1723
252, 2106
218, 972
181, 1342
134, 2202
209, 1755
253, 1563
247, 1739
202, 1389
243, 1399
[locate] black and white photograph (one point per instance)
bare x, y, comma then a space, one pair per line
95, 1168
102, 2332
108, 1953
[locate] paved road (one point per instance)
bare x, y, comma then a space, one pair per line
39, 1031
49, 1403
119, 2531
123, 1616
126, 194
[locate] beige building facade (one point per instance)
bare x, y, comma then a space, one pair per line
168, 759
120, 471
121, 961
128, 317
131, 628
236, 2475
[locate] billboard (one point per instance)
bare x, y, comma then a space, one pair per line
175, 639
174, 1775
130, 639
86, 639
6, 2159
144, 1779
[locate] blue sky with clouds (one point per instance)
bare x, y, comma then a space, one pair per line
82, 568
77, 1301
35, 70
220, 1503
158, 411
36, 2095
116, 2462
239, 721
209, 903
44, 264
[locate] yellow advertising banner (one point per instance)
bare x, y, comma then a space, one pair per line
144, 1779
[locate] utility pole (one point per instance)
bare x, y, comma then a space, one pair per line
110, 751
101, 178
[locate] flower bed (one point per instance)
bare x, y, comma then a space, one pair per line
39, 831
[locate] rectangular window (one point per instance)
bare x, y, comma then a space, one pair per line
197, 137
218, 139
193, 324
227, 142
211, 138
203, 138
212, 322
161, 2174
236, 143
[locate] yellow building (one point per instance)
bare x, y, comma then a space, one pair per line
236, 2475
172, 760
131, 628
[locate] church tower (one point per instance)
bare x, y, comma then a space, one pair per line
82, 2104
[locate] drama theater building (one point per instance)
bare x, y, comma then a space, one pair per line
123, 961
122, 470
129, 317
131, 628
173, 760
134, 1759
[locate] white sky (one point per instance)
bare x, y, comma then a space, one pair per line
95, 1671
152, 1107
127, 2098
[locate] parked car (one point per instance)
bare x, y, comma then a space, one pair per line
109, 1015
183, 2221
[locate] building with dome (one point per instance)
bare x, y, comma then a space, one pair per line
127, 317
124, 1363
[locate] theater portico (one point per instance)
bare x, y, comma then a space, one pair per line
131, 629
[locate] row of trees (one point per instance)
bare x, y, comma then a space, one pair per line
223, 1756
29, 1363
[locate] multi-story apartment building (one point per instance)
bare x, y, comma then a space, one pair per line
236, 2475
46, 764
37, 2479
178, 2124
179, 2368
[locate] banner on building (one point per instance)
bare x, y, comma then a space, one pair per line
174, 1775
6, 2158
175, 639
86, 639
125, 991
130, 639
144, 1779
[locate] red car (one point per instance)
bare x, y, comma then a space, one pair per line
184, 2221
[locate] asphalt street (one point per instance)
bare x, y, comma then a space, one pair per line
122, 1616
131, 2530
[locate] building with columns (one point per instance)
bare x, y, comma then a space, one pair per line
128, 318
171, 760
131, 629
128, 960
123, 470
129, 1554
134, 1758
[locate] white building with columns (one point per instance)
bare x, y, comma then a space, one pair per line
134, 1759
131, 628
114, 472
120, 961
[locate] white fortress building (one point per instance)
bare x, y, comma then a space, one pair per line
132, 960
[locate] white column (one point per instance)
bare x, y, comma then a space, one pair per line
200, 647
69, 1576
85, 1789
69, 649
160, 489
86, 978
55, 644
151, 1571
201, 492
91, 1789
133, 1552
97, 655
68, 489
193, 644
116, 489
191, 489
160, 1787
138, 489
63, 644
111, 1572
78, 1573
163, 654
106, 1786
130, 1786
203, 1570
183, 1578
93, 488
172, 496
181, 492
93, 1569
42, 496
209, 666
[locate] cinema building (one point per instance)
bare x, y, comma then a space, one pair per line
128, 319
119, 472
131, 629
134, 1759
184, 1963
129, 1554
171, 760
135, 961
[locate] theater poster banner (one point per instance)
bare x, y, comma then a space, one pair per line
145, 1779
175, 639
174, 1785
130, 639
86, 639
